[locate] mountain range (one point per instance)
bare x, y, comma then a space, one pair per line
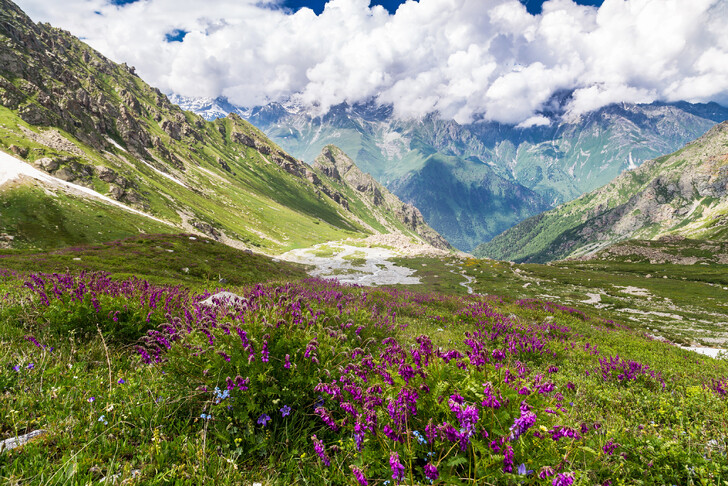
684, 194
92, 153
473, 181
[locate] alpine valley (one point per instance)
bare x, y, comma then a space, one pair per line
473, 181
262, 296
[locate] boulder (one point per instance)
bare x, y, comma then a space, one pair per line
48, 164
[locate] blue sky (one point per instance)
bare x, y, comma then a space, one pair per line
533, 6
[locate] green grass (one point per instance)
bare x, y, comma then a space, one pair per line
164, 259
106, 413
692, 297
38, 221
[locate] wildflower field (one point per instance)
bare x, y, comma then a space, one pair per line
302, 381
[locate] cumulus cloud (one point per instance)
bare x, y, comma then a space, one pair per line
465, 59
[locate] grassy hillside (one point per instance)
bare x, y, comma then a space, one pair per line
162, 259
69, 111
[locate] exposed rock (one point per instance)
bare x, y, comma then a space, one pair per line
223, 164
19, 151
66, 174
224, 298
243, 139
13, 442
106, 174
48, 164
116, 192
206, 228
172, 129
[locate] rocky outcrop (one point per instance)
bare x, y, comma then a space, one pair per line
387, 207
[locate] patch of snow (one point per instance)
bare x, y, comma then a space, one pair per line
593, 299
168, 176
712, 352
636, 291
632, 165
11, 168
113, 142
654, 313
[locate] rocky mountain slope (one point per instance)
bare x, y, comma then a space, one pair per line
100, 135
379, 208
556, 162
676, 250
684, 194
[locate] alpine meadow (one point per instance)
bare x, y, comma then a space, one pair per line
343, 242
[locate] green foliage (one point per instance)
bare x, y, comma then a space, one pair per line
177, 420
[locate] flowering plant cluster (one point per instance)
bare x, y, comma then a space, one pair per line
385, 386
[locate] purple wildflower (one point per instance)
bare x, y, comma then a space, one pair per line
263, 419
397, 467
319, 448
121, 381
563, 480
285, 411
522, 424
508, 459
546, 472
431, 472
359, 475
241, 383
609, 447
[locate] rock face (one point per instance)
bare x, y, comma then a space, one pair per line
685, 194
337, 166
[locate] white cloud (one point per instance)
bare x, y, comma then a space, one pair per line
460, 57
534, 121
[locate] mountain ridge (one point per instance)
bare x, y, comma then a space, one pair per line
684, 193
558, 162
82, 119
